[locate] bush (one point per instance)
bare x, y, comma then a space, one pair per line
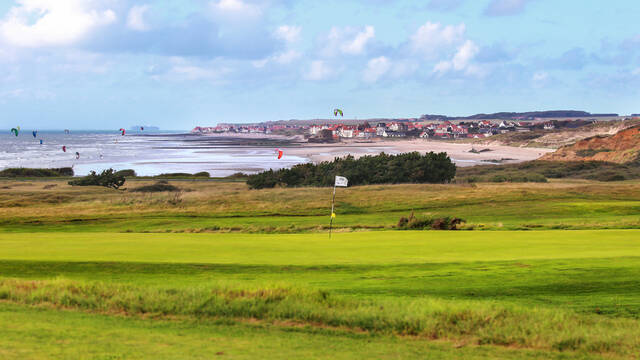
29, 172
238, 175
126, 173
379, 169
425, 223
160, 186
202, 174
610, 176
107, 178
539, 171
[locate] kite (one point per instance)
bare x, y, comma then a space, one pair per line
77, 155
122, 130
64, 148
35, 133
15, 131
66, 131
40, 141
337, 111
279, 153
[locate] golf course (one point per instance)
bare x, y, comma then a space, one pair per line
535, 271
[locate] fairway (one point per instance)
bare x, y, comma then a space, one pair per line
223, 273
476, 291
389, 247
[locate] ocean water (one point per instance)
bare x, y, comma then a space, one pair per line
146, 153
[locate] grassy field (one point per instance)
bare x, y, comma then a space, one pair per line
32, 206
219, 271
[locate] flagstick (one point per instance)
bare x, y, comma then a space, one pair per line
332, 202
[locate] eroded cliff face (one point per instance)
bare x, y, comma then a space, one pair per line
620, 148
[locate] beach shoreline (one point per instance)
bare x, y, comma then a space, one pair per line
459, 152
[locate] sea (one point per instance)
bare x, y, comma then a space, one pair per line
148, 153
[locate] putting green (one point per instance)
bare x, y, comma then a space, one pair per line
388, 247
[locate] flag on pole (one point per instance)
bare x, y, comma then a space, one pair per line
341, 181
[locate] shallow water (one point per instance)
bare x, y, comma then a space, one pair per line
146, 153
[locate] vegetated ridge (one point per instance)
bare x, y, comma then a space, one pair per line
530, 115
623, 147
560, 136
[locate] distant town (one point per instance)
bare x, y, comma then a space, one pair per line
426, 127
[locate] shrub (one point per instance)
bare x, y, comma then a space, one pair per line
107, 178
202, 174
610, 176
29, 172
238, 175
126, 173
498, 179
379, 169
160, 186
425, 223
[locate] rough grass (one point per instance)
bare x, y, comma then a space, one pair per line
474, 322
227, 206
41, 333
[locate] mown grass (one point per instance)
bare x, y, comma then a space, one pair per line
552, 291
224, 207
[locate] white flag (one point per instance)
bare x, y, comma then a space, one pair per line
341, 181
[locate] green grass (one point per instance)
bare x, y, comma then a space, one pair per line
230, 207
545, 291
32, 333
103, 274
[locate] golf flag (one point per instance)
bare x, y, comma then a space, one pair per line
341, 181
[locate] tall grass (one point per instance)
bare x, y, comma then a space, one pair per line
470, 321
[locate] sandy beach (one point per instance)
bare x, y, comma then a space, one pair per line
459, 152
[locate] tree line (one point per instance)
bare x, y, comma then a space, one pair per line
378, 169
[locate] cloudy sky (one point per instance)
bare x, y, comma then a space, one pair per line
176, 64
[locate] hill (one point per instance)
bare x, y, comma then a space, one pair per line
564, 134
531, 115
623, 147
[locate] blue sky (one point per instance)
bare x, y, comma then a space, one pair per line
176, 64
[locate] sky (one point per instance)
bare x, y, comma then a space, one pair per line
101, 64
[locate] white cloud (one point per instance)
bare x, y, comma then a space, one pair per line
432, 38
348, 40
290, 34
461, 61
540, 79
318, 70
283, 58
234, 10
135, 19
540, 76
356, 46
376, 68
36, 23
